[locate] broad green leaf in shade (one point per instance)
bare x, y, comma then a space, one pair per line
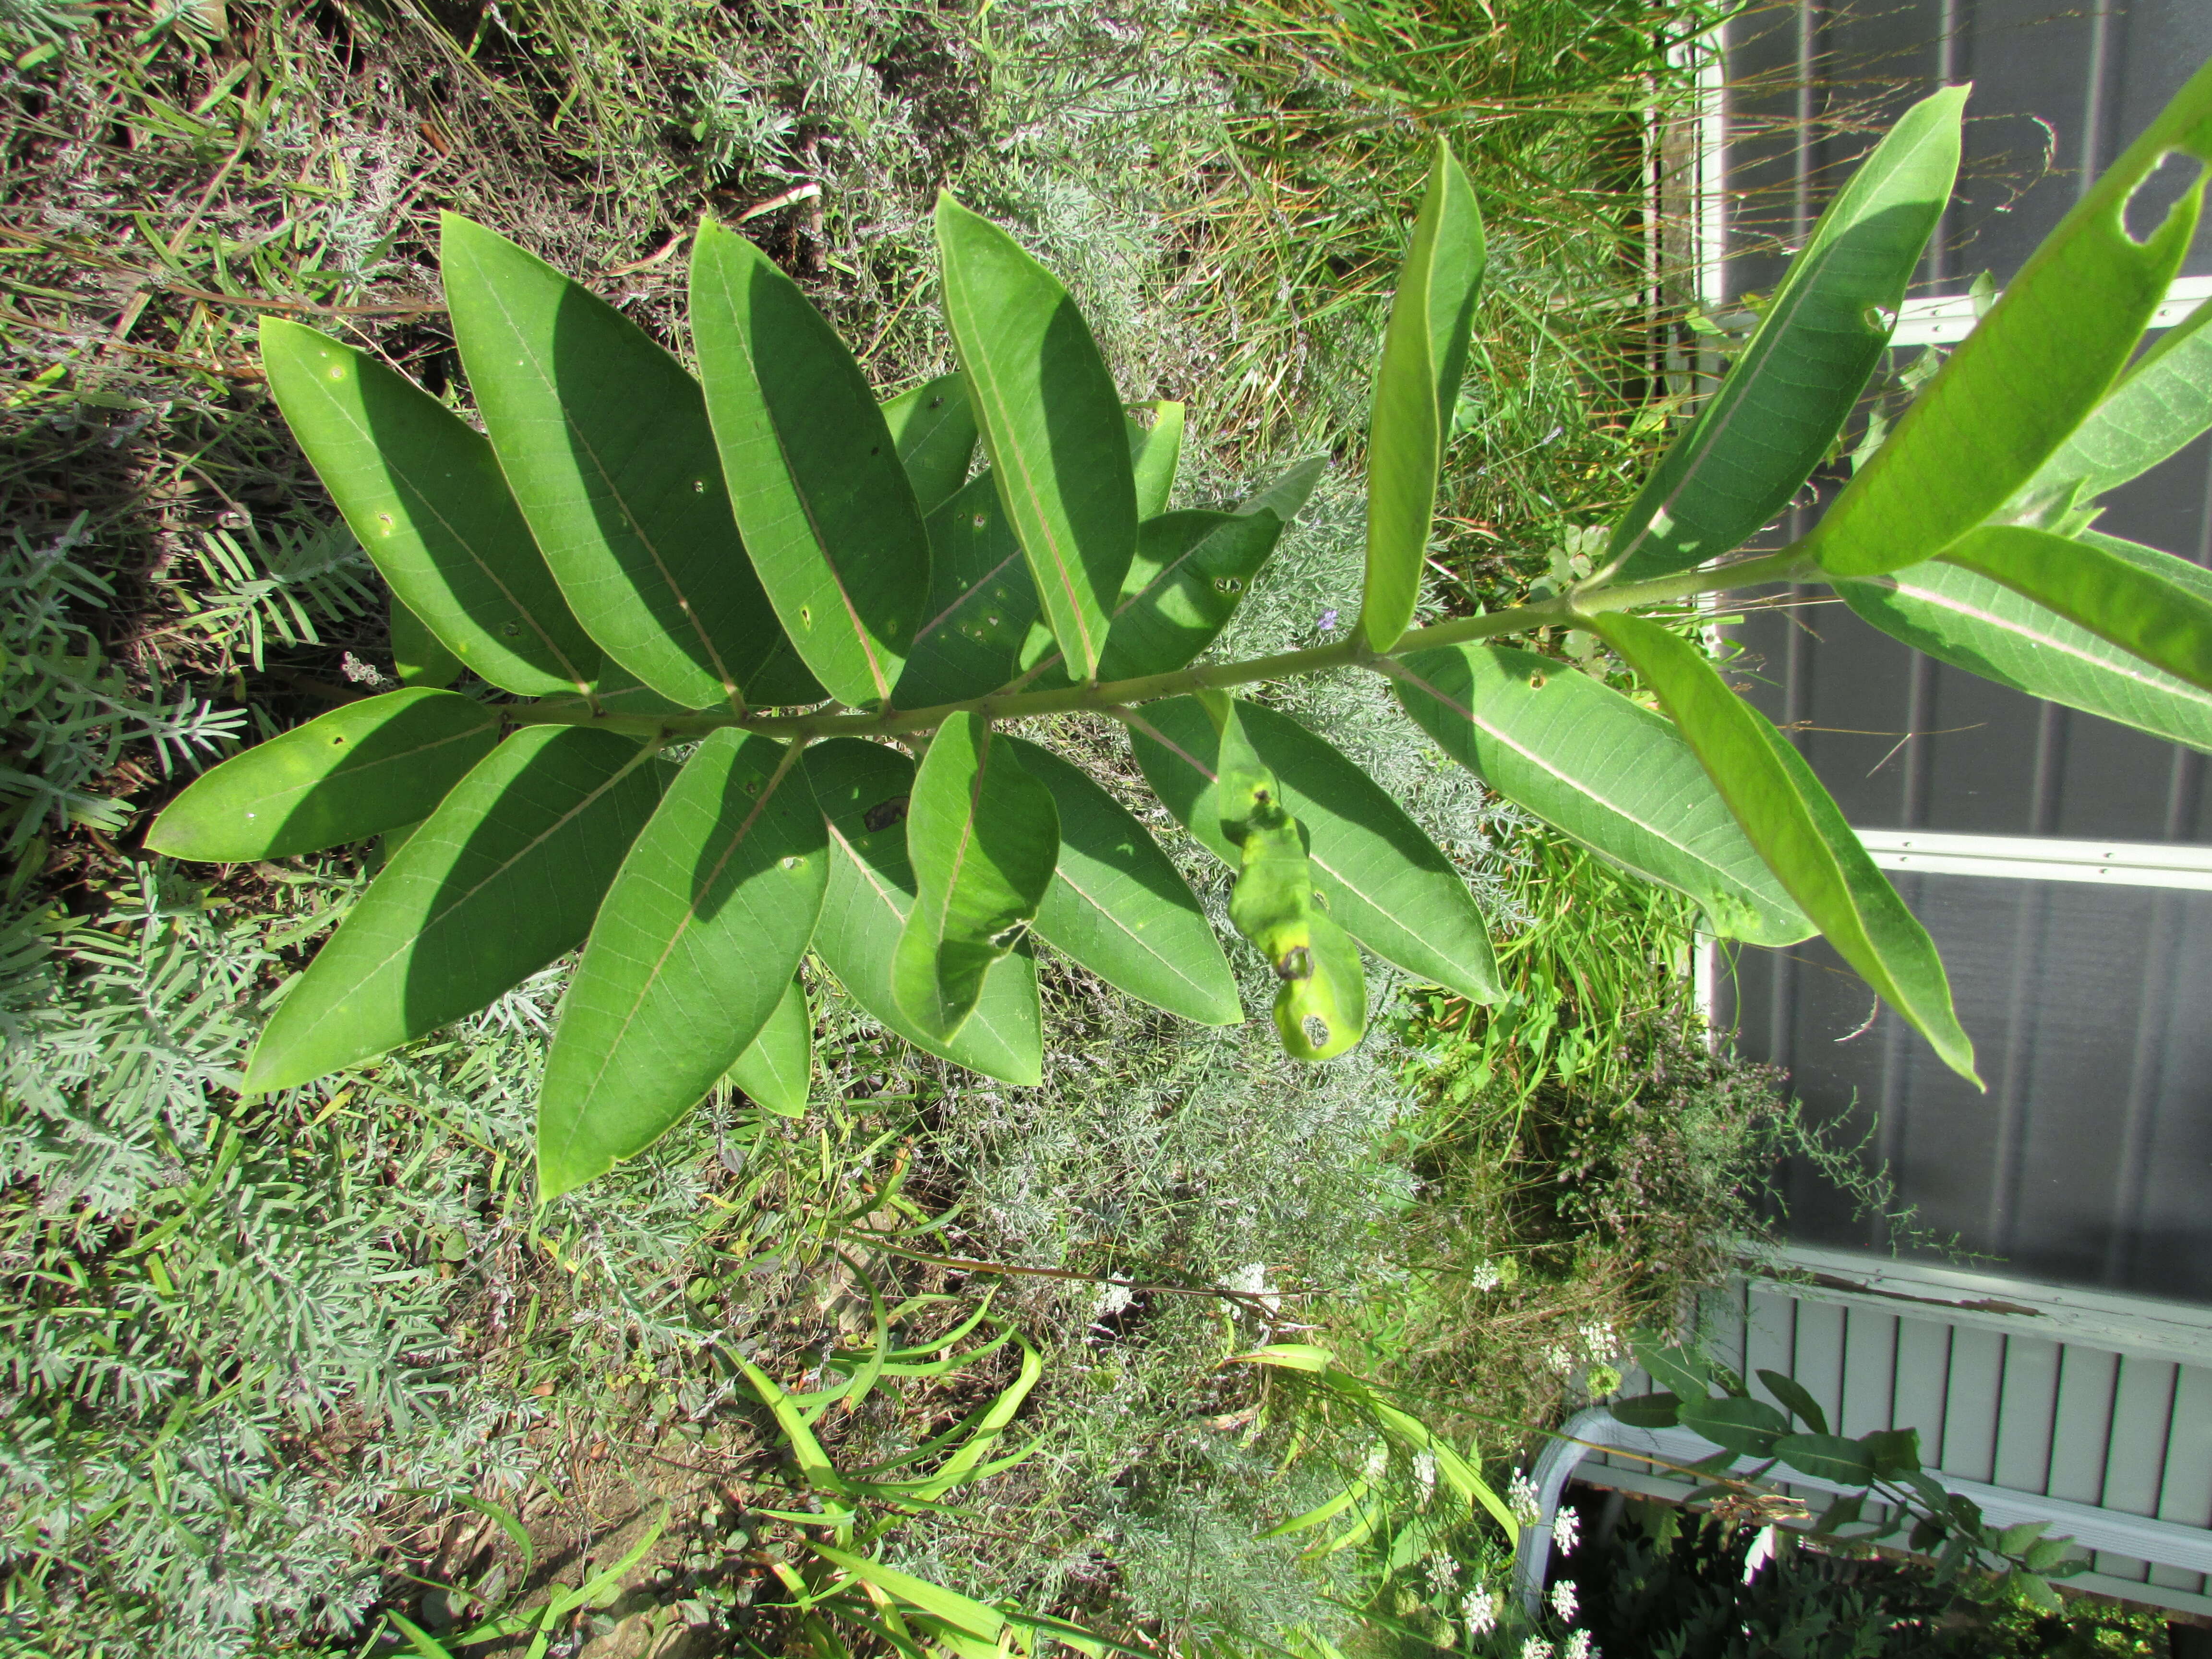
823, 504
693, 948
1676, 1370
1749, 1427
1893, 1451
2031, 369
1286, 496
1826, 1457
1799, 832
418, 656
369, 766
2152, 604
865, 789
1424, 358
424, 494
1154, 451
503, 878
1647, 1411
1607, 771
1794, 1400
983, 837
1791, 389
933, 430
981, 606
1378, 875
1052, 425
604, 441
1118, 906
2162, 402
1984, 628
777, 1070
1192, 571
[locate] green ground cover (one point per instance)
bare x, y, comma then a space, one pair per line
279, 1368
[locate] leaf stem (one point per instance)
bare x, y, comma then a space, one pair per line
1567, 610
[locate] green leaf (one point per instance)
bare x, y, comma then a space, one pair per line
1894, 1452
604, 441
1153, 452
1052, 424
1843, 1512
955, 1609
1323, 1511
963, 1464
982, 603
933, 430
823, 504
1381, 878
1192, 571
1984, 628
1647, 1411
1794, 1398
864, 789
776, 1071
814, 1465
2151, 605
695, 945
503, 878
2031, 369
418, 656
983, 837
1789, 392
2161, 404
424, 494
1674, 1369
1608, 771
1286, 496
1799, 832
1118, 906
343, 776
1826, 1457
1750, 1428
1423, 359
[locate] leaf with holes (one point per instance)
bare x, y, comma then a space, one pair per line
777, 1070
694, 947
1154, 451
934, 429
1192, 571
982, 605
821, 498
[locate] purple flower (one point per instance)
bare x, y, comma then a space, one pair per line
1328, 620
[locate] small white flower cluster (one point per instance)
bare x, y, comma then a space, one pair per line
1580, 1646
1443, 1572
1562, 1599
1378, 1459
1425, 1472
1521, 1498
1484, 1276
1537, 1648
1478, 1607
1566, 1531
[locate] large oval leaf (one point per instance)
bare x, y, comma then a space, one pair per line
982, 603
1191, 570
1789, 392
503, 878
1383, 881
1154, 451
864, 789
1052, 424
604, 441
815, 479
1826, 1457
1799, 831
1984, 628
776, 1071
419, 657
983, 838
934, 429
1118, 906
1423, 359
692, 950
424, 494
1611, 773
370, 766
2151, 604
2031, 369
1749, 1427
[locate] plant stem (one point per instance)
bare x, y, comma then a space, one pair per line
1568, 611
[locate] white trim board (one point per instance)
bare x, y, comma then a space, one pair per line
1948, 318
2036, 858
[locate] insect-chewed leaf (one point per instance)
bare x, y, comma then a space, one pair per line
2146, 601
983, 837
982, 603
776, 1071
1117, 905
1052, 424
424, 494
932, 428
693, 948
2031, 370
1381, 879
369, 766
1986, 628
1609, 773
1424, 358
419, 657
1191, 572
1789, 392
1800, 832
825, 508
1154, 451
604, 441
503, 878
865, 789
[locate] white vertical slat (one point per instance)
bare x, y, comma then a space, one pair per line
1923, 1373
1770, 1339
2027, 1410
1820, 1355
2185, 1490
1970, 1404
2134, 1458
1869, 1372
